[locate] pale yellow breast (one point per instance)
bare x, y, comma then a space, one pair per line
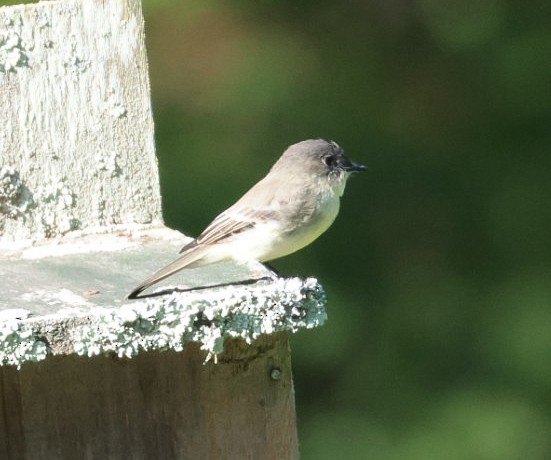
320, 221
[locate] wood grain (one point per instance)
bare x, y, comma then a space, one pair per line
158, 405
76, 144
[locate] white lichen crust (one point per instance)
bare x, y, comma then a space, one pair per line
19, 343
170, 321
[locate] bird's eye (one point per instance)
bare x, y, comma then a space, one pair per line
330, 161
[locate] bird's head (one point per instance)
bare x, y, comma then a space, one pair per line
319, 158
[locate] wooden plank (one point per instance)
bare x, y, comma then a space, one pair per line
158, 405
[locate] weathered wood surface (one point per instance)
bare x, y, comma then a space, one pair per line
70, 297
158, 405
76, 143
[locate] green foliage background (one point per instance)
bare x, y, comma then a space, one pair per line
438, 269
438, 343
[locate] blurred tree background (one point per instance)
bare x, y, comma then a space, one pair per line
438, 268
438, 343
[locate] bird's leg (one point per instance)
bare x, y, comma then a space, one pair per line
258, 270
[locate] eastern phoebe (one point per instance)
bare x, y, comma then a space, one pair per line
294, 204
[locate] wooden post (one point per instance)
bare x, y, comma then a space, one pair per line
84, 373
158, 405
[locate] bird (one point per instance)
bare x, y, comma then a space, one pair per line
288, 209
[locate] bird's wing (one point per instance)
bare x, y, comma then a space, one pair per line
228, 224
254, 208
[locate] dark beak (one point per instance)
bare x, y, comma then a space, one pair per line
350, 166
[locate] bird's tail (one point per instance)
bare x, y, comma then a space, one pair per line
190, 258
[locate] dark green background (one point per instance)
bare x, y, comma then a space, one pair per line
438, 344
438, 268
